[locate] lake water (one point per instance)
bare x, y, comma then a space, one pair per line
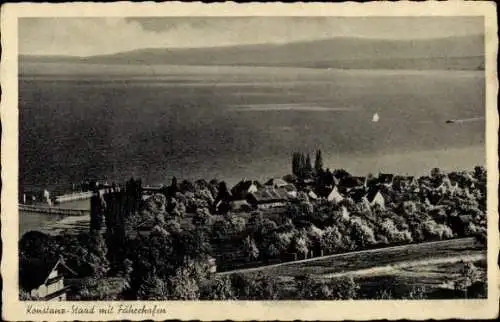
52, 225
79, 121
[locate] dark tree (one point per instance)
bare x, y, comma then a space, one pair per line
35, 244
173, 188
133, 189
223, 192
436, 175
97, 208
341, 174
480, 173
297, 164
318, 163
187, 186
308, 165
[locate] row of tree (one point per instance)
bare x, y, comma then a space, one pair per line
161, 247
302, 166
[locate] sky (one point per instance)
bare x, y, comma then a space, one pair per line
98, 36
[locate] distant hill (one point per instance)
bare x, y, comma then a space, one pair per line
447, 53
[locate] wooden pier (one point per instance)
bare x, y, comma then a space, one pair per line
46, 210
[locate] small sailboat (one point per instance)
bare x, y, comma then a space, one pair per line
375, 117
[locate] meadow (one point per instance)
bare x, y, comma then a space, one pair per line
432, 266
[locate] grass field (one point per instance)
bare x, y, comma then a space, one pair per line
396, 269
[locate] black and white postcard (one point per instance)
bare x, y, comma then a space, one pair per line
249, 161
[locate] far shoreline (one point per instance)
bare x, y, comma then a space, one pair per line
172, 68
412, 163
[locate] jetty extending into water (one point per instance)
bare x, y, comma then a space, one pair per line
74, 196
47, 210
63, 205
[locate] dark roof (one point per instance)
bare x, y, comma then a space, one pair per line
58, 293
323, 191
357, 194
35, 272
352, 182
465, 218
424, 179
402, 179
240, 190
269, 195
371, 194
290, 187
276, 182
385, 178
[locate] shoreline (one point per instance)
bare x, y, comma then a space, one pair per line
116, 69
412, 163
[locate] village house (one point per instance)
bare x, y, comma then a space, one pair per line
404, 183
240, 206
276, 183
244, 188
44, 280
335, 196
369, 198
424, 181
375, 197
39, 196
268, 198
212, 264
350, 183
291, 190
331, 180
464, 179
312, 195
357, 194
345, 213
443, 186
385, 179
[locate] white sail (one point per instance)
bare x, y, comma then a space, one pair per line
375, 117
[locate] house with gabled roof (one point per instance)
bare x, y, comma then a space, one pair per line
44, 279
385, 179
404, 182
276, 183
443, 186
240, 205
335, 196
375, 197
312, 195
412, 181
345, 213
350, 183
357, 194
268, 198
291, 190
243, 188
424, 181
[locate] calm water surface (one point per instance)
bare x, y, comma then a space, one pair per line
113, 122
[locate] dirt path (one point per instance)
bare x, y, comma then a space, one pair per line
381, 270
387, 250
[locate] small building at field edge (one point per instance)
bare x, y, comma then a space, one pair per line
44, 280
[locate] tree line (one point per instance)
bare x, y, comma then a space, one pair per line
160, 248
